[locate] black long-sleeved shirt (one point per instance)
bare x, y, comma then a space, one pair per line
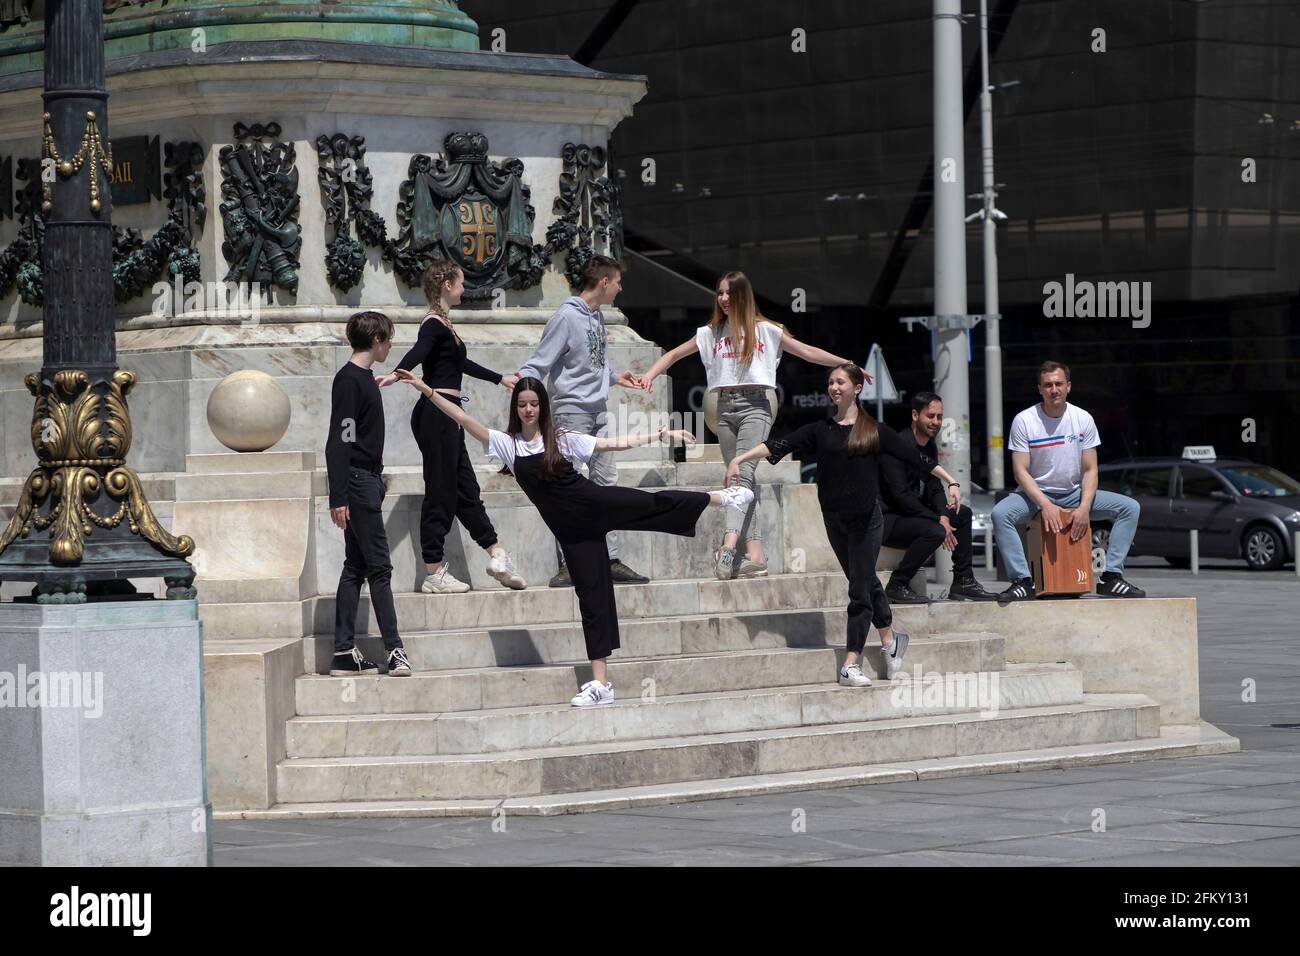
845, 484
908, 491
443, 357
356, 436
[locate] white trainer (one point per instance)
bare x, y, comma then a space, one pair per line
894, 656
592, 693
443, 582
852, 676
736, 497
502, 567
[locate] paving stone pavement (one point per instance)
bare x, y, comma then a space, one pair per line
1230, 810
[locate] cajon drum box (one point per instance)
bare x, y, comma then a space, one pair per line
1059, 565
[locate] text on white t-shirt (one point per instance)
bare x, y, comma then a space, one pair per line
721, 356
1055, 445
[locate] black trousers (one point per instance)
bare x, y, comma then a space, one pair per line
855, 539
365, 558
921, 537
450, 488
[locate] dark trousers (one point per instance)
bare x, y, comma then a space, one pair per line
921, 537
450, 488
855, 539
365, 559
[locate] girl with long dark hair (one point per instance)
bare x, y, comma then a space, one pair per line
450, 489
740, 349
848, 446
578, 511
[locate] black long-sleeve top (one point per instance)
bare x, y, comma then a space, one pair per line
356, 436
908, 491
845, 484
443, 356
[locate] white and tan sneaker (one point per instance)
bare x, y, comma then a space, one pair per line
502, 567
443, 582
592, 693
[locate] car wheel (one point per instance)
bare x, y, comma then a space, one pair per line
1263, 549
1100, 545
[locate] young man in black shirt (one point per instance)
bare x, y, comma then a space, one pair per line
354, 460
918, 517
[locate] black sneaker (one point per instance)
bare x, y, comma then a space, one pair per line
1112, 584
622, 574
398, 665
902, 593
352, 664
562, 579
968, 589
1022, 590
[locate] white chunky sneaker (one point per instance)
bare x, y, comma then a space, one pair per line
894, 656
443, 582
736, 497
852, 676
593, 692
724, 560
502, 567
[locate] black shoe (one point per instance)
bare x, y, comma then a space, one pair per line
398, 665
1022, 590
352, 664
562, 579
1112, 584
968, 589
902, 593
622, 574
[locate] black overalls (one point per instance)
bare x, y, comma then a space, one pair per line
580, 513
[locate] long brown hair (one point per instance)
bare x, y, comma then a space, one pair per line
432, 282
864, 438
741, 322
553, 463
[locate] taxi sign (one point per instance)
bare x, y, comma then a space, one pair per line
1199, 453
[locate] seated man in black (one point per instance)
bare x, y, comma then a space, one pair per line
917, 516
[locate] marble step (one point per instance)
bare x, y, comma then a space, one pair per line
490, 687
558, 724
586, 767
1175, 740
522, 644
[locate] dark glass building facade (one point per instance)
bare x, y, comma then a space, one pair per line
791, 140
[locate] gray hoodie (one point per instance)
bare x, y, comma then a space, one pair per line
571, 358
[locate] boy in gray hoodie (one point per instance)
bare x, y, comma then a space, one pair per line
571, 359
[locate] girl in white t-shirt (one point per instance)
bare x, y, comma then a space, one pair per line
580, 512
740, 350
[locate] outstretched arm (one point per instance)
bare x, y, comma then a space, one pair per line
636, 441
667, 361
810, 353
451, 409
733, 469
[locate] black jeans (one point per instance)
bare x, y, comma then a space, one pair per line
450, 489
921, 537
365, 558
855, 539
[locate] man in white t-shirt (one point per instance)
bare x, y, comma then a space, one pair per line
1054, 458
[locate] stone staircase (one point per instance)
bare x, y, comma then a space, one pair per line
724, 689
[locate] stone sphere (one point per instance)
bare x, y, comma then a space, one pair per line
248, 411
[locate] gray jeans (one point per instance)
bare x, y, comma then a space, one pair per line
744, 420
601, 469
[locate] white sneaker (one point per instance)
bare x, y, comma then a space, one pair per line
894, 656
443, 582
852, 676
502, 567
594, 692
724, 560
736, 497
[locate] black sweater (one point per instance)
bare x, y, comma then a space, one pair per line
908, 491
356, 436
443, 357
845, 484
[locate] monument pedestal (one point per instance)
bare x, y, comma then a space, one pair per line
101, 735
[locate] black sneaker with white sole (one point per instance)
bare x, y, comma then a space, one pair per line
901, 593
398, 665
1022, 590
352, 664
1112, 584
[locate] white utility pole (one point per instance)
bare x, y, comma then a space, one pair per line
992, 332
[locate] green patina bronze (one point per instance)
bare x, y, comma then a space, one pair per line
141, 26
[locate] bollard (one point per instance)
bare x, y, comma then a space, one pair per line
1196, 551
988, 548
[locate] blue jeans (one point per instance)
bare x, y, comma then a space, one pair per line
1017, 508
